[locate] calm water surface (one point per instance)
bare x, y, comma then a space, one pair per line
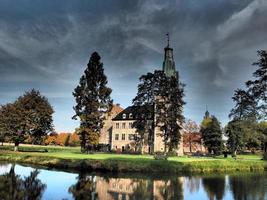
22, 182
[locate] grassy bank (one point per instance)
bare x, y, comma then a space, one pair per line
70, 158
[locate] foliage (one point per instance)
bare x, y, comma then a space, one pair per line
192, 136
13, 186
161, 99
84, 188
252, 103
85, 135
212, 136
258, 87
30, 115
235, 134
74, 140
63, 139
92, 101
245, 106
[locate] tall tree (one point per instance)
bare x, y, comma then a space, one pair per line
29, 115
212, 136
93, 101
234, 132
37, 114
251, 105
169, 112
258, 87
245, 106
165, 96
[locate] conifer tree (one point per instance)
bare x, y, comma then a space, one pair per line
251, 104
160, 100
92, 102
212, 135
234, 132
258, 87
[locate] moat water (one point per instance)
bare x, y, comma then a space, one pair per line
24, 182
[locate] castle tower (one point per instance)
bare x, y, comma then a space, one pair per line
168, 64
169, 69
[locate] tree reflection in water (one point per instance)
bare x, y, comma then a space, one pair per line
12, 186
84, 188
193, 183
142, 190
248, 187
170, 189
214, 186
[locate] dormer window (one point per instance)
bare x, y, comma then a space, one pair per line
124, 116
131, 115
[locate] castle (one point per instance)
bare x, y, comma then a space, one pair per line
118, 131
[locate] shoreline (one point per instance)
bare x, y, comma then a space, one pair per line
137, 165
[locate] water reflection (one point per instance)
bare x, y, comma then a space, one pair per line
214, 186
16, 184
84, 188
249, 188
12, 186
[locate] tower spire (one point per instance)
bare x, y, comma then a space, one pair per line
168, 39
168, 63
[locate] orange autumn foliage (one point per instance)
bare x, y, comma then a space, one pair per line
74, 139
63, 139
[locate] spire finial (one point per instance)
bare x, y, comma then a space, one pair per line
168, 39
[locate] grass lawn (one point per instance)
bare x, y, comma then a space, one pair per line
70, 157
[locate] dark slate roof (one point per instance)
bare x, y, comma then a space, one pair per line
131, 111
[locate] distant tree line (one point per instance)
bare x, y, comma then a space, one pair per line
247, 128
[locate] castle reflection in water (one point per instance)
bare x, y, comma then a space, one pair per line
132, 188
28, 183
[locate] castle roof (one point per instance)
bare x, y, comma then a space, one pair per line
130, 113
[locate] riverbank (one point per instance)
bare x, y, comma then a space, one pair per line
72, 159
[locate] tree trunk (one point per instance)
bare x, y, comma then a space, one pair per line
16, 147
234, 153
265, 151
190, 146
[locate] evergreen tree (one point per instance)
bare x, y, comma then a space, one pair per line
235, 134
212, 136
245, 106
165, 96
92, 102
251, 105
258, 87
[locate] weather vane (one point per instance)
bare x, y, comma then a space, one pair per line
168, 39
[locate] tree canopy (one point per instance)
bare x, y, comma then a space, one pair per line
165, 96
29, 115
212, 135
93, 101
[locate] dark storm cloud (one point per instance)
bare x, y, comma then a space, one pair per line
46, 44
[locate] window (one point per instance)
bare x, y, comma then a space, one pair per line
124, 116
117, 125
116, 136
123, 125
131, 115
123, 137
130, 124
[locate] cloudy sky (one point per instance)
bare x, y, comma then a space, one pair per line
46, 44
